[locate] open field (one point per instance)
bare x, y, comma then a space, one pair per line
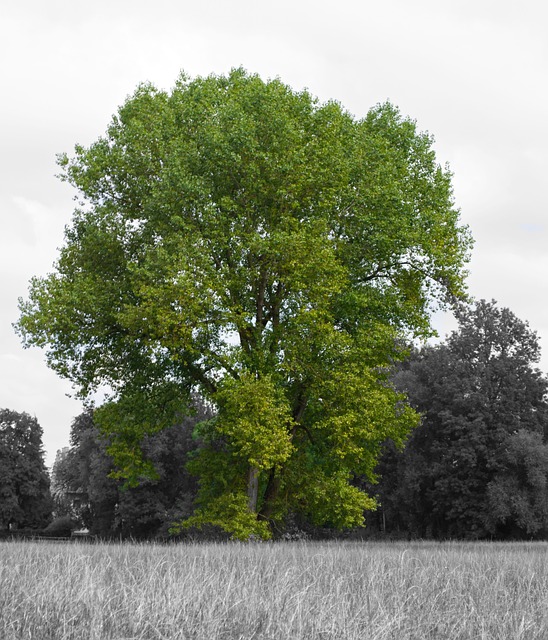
294, 591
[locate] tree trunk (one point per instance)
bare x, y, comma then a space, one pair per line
253, 488
270, 494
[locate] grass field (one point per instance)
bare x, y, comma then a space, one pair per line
279, 591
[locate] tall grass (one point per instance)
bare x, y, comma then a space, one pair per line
292, 590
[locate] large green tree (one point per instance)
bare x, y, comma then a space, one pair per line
238, 237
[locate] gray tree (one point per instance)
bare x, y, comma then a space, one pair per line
25, 500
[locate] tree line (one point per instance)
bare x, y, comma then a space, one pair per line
475, 468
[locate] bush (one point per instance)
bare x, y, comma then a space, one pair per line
61, 527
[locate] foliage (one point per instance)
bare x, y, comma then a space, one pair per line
478, 465
517, 497
81, 477
25, 500
60, 485
61, 527
230, 508
239, 238
96, 498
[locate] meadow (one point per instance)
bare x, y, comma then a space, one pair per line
290, 590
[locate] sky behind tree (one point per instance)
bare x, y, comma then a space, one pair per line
474, 74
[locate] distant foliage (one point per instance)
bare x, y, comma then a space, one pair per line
80, 482
61, 527
86, 489
25, 500
478, 465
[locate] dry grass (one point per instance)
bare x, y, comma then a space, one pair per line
296, 591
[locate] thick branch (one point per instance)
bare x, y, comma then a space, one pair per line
270, 495
253, 488
300, 406
200, 376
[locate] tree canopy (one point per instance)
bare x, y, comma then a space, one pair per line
24, 482
83, 486
478, 465
239, 238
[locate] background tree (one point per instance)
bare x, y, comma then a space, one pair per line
82, 477
86, 488
238, 238
60, 485
156, 503
478, 465
25, 500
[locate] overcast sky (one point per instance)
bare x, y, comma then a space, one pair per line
474, 73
